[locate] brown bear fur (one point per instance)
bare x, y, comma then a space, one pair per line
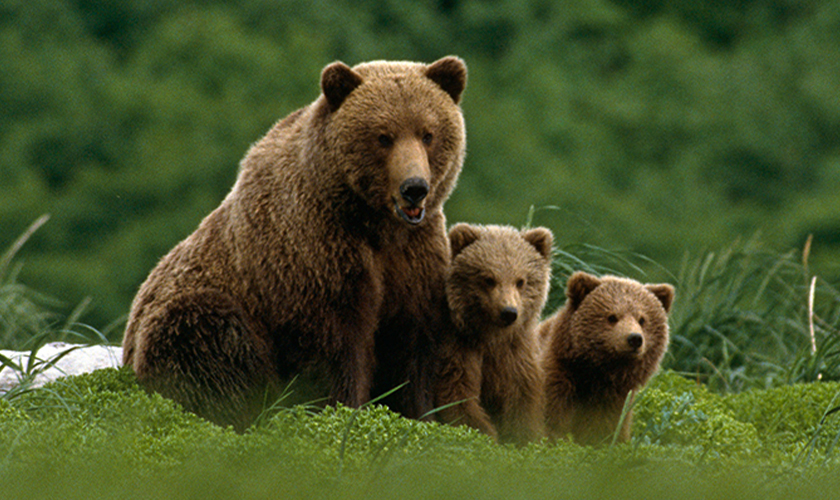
328, 257
607, 341
496, 289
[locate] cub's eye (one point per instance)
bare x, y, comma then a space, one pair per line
642, 321
490, 282
612, 318
520, 283
427, 138
385, 141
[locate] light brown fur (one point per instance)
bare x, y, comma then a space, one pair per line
607, 341
328, 257
496, 288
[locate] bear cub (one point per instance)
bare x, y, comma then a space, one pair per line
607, 341
496, 288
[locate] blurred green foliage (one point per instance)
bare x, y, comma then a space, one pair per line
660, 128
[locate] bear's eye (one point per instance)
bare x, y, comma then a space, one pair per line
642, 321
385, 141
612, 319
489, 281
427, 138
520, 283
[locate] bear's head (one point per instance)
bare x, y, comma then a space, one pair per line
616, 318
498, 278
397, 130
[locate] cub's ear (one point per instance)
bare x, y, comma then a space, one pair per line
579, 286
541, 238
337, 81
462, 235
451, 74
664, 292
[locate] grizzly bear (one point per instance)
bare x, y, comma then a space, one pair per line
490, 376
607, 341
328, 257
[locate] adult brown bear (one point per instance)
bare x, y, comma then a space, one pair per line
328, 257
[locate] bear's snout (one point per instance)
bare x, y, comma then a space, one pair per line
635, 341
508, 315
414, 190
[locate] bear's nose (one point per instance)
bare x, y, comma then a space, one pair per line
635, 340
414, 190
509, 315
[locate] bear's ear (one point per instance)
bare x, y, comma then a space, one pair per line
451, 74
541, 238
579, 286
664, 292
462, 235
337, 81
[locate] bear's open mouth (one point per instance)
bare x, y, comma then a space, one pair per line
412, 215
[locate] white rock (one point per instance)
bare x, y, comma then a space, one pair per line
82, 359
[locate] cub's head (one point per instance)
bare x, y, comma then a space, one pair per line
615, 318
396, 130
499, 276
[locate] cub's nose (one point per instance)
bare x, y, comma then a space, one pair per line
414, 190
635, 340
508, 315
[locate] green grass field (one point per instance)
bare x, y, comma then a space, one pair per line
100, 436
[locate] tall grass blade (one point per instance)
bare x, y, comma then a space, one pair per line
9, 254
625, 412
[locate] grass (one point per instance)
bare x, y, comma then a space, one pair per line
748, 407
23, 314
100, 436
743, 319
28, 321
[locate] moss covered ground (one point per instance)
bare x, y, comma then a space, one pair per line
100, 436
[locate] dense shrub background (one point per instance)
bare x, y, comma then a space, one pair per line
651, 127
